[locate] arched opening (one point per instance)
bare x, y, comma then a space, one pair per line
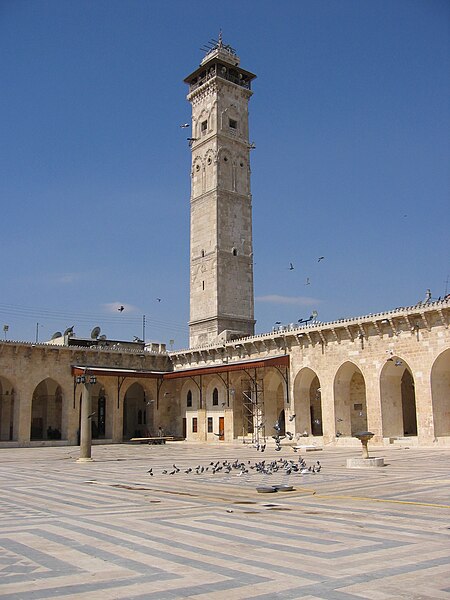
6, 410
136, 417
398, 399
440, 393
274, 400
308, 403
215, 397
350, 400
46, 411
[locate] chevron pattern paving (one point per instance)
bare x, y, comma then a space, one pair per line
108, 529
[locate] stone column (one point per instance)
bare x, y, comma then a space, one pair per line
23, 401
116, 405
328, 410
201, 425
228, 424
86, 426
373, 404
424, 407
5, 416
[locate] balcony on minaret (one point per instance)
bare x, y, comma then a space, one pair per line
215, 67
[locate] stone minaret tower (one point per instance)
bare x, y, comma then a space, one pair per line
221, 259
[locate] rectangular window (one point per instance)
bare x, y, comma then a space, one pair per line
194, 425
204, 126
210, 424
232, 123
357, 407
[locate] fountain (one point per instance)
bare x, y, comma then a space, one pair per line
365, 461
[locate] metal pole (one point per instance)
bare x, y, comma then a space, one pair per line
143, 328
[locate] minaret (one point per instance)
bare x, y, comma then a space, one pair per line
221, 252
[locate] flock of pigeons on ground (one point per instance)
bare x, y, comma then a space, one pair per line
244, 468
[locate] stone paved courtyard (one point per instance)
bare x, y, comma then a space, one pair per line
109, 530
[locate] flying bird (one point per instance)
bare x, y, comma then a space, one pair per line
91, 415
307, 282
292, 417
184, 126
320, 258
158, 299
291, 267
121, 308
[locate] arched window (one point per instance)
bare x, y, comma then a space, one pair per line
189, 399
215, 397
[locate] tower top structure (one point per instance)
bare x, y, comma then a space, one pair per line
220, 60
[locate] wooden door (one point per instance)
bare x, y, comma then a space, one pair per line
221, 428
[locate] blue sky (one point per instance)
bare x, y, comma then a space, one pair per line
351, 121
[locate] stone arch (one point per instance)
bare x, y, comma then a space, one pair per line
307, 403
350, 407
197, 175
398, 399
7, 405
46, 411
215, 390
440, 394
198, 130
274, 402
135, 412
231, 113
225, 169
242, 178
189, 386
210, 167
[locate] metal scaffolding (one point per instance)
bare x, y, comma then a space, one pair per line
253, 416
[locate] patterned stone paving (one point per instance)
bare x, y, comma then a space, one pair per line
110, 530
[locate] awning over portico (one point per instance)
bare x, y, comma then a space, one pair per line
239, 365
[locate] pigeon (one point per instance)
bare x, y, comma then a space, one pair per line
292, 417
320, 258
121, 308
291, 267
184, 126
150, 472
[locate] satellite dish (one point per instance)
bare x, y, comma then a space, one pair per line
57, 334
69, 330
95, 333
102, 337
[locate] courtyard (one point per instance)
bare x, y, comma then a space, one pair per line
110, 529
